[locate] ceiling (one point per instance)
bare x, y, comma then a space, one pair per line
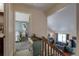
41, 6
63, 21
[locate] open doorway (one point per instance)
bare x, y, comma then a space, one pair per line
22, 33
62, 29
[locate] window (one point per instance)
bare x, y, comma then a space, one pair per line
62, 38
1, 7
21, 26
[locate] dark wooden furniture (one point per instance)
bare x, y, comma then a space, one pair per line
1, 13
1, 46
1, 38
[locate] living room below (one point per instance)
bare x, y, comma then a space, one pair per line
62, 28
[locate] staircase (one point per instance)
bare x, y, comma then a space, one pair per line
50, 49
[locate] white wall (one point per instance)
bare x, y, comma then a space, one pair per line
38, 22
64, 20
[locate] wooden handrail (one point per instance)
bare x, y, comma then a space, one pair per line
53, 51
48, 49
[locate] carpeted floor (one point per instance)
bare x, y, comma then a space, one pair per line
24, 48
24, 53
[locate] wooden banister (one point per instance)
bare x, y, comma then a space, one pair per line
50, 49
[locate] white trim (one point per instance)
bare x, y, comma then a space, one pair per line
8, 30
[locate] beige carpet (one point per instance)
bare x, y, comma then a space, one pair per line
26, 52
